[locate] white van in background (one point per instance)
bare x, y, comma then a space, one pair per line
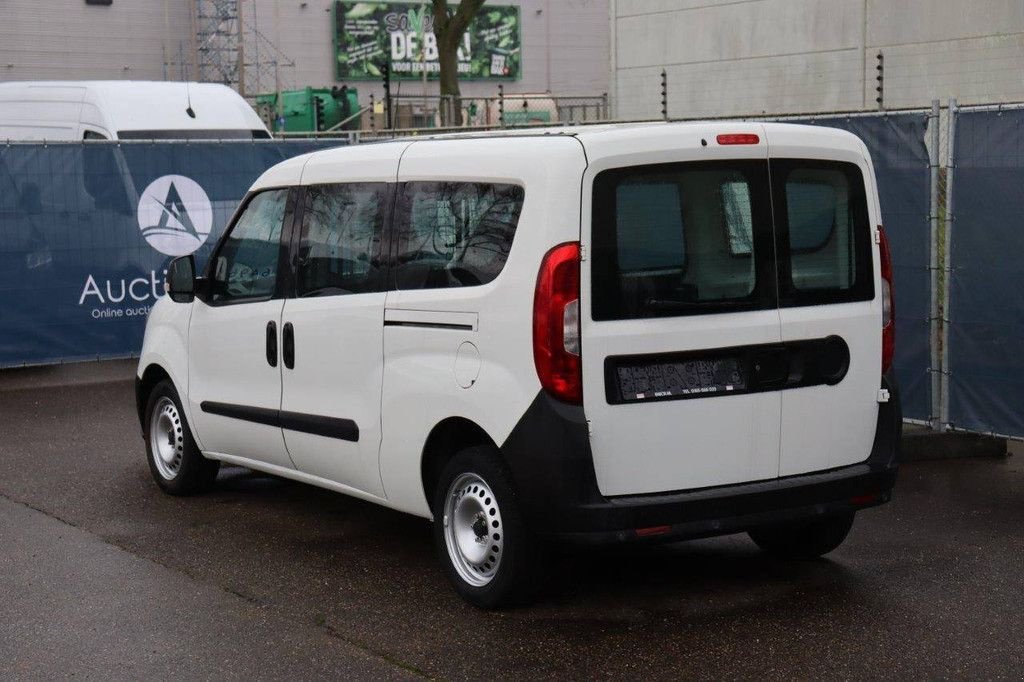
125, 110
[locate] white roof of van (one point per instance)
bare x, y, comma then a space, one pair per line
600, 139
145, 105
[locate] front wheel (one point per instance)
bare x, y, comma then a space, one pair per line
804, 539
481, 538
175, 461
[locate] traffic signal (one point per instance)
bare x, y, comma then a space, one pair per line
318, 113
385, 72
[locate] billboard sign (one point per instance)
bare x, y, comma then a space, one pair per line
368, 35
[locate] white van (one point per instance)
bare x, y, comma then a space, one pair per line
124, 110
607, 334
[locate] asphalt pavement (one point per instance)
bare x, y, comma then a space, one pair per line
103, 576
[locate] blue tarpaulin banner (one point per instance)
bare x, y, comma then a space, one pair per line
986, 301
896, 143
87, 230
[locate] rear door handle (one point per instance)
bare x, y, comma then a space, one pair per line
771, 368
272, 343
288, 350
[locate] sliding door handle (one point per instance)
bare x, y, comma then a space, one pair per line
272, 343
288, 349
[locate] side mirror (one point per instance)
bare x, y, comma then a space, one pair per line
180, 284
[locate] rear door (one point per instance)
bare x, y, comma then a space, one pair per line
333, 325
680, 328
825, 225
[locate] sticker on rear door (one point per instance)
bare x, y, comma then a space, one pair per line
675, 379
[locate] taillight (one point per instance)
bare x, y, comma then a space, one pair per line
738, 138
888, 303
556, 323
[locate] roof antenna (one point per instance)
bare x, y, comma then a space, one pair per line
188, 98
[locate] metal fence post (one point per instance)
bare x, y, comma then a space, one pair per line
947, 242
664, 95
934, 317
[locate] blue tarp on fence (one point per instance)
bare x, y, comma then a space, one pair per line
86, 231
897, 146
986, 306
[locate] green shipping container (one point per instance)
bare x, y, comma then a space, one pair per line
311, 109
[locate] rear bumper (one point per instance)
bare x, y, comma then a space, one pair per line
549, 456
728, 509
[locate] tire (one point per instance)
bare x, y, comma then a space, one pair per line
175, 461
486, 549
804, 539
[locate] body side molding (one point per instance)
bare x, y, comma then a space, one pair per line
318, 425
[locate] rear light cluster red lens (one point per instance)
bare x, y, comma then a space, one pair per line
556, 326
738, 138
888, 303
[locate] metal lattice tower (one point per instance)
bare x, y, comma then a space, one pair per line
230, 49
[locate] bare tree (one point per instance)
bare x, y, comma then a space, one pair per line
449, 28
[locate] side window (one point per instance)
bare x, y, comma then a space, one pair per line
340, 245
679, 239
454, 234
104, 180
826, 229
246, 264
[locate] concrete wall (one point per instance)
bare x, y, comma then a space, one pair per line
732, 57
565, 43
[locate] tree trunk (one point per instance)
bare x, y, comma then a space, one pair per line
451, 96
449, 29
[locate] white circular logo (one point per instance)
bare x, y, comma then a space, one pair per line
175, 215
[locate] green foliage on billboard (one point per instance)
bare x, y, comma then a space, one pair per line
368, 35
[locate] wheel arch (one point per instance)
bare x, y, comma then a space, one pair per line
144, 385
447, 438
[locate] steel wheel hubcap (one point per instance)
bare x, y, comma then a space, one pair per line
166, 438
473, 531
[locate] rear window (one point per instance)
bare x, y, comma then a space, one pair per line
708, 237
679, 239
822, 221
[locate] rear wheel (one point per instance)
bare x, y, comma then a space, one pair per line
804, 539
175, 461
486, 549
